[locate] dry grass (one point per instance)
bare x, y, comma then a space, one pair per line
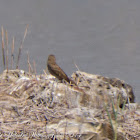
12, 52
3, 49
21, 46
5, 52
27, 113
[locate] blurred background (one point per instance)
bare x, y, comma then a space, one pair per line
101, 36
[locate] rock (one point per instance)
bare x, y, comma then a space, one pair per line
104, 86
39, 107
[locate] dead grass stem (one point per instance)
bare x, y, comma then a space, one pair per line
12, 52
3, 49
19, 53
6, 42
30, 70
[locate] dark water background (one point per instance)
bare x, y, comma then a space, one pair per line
101, 36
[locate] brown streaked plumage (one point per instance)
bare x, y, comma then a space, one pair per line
56, 71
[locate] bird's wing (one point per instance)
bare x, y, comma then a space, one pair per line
58, 72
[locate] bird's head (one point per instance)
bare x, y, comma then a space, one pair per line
51, 58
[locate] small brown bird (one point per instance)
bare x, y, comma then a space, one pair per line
56, 71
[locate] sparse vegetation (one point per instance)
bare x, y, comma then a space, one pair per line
39, 107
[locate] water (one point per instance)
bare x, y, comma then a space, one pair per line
100, 36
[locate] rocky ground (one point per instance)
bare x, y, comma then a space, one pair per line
41, 107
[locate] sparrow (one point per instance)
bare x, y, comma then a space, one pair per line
56, 71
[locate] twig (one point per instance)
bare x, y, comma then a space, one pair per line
34, 69
45, 72
12, 52
3, 51
76, 66
29, 64
19, 53
80, 74
6, 42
